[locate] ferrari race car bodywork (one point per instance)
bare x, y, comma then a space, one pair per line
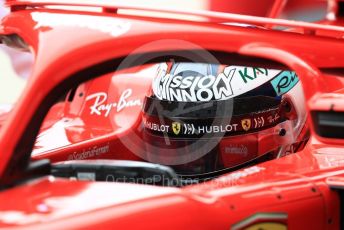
301, 190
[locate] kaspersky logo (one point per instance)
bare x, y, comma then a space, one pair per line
176, 127
246, 124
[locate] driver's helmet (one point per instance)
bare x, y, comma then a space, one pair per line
205, 119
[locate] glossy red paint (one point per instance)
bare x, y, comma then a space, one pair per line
294, 185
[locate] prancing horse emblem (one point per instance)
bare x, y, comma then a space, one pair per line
176, 127
246, 124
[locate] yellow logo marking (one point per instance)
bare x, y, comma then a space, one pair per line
246, 124
176, 127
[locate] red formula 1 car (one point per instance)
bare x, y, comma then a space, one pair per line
130, 120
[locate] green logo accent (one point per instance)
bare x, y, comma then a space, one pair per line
256, 72
284, 81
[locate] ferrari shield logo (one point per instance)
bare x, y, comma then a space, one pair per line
176, 127
246, 124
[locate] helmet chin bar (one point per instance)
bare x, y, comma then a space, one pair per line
230, 152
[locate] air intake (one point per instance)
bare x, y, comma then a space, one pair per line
329, 124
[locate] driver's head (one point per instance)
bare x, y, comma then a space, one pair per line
203, 118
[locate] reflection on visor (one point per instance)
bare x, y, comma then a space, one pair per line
211, 109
